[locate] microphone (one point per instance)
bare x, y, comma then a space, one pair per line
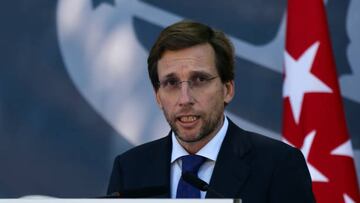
199, 184
144, 192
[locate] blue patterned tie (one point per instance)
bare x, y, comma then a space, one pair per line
190, 163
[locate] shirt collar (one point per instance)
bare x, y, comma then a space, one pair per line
210, 150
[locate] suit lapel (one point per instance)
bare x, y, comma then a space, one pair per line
231, 170
159, 176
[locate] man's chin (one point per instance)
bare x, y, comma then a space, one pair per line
189, 138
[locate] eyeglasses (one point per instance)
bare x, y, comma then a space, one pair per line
196, 83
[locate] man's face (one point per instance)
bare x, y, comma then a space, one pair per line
193, 109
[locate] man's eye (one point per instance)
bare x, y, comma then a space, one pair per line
170, 83
200, 79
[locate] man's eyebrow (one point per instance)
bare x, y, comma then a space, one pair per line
192, 74
201, 73
170, 75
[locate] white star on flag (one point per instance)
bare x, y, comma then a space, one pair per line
344, 149
348, 199
299, 79
315, 174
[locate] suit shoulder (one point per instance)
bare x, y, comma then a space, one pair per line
145, 151
265, 147
275, 152
265, 141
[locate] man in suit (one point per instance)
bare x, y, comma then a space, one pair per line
191, 67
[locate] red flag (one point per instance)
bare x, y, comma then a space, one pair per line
313, 117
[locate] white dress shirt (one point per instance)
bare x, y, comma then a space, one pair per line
210, 151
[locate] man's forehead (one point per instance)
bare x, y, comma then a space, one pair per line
176, 61
202, 53
184, 66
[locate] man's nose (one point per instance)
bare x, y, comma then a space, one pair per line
185, 94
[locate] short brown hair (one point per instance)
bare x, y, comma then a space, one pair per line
185, 34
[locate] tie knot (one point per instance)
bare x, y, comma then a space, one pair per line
192, 163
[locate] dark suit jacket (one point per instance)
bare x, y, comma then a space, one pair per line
249, 166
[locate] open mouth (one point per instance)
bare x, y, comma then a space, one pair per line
188, 119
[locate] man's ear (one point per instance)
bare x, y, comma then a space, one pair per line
229, 91
158, 100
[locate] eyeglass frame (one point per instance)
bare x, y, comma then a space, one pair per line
192, 82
